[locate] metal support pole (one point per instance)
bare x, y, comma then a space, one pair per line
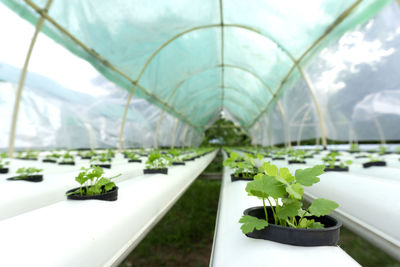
184, 136
21, 82
174, 133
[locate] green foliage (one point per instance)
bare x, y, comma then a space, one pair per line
227, 133
279, 184
397, 150
373, 159
297, 154
28, 155
3, 163
382, 150
355, 148
331, 158
132, 156
241, 165
3, 155
67, 157
175, 155
53, 156
92, 182
25, 172
157, 161
100, 159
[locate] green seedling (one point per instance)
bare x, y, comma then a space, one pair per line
53, 156
355, 148
88, 154
398, 150
297, 155
175, 155
25, 172
92, 182
3, 163
373, 159
157, 161
382, 150
3, 155
132, 156
67, 157
242, 165
279, 184
331, 159
100, 159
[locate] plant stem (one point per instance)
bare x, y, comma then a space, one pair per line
273, 211
265, 210
302, 216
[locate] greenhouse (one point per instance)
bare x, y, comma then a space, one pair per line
200, 133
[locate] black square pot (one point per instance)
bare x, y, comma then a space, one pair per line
189, 159
278, 158
135, 160
375, 164
107, 166
177, 163
86, 157
240, 177
155, 171
361, 157
4, 170
296, 162
328, 236
111, 195
67, 163
336, 169
31, 178
49, 161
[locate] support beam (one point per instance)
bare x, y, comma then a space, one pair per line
174, 133
21, 82
184, 136
301, 125
316, 105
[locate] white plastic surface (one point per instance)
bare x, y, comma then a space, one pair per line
95, 233
232, 248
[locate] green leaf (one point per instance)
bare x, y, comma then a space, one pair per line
265, 186
295, 190
285, 174
316, 225
249, 223
289, 209
303, 213
270, 169
306, 223
308, 176
321, 207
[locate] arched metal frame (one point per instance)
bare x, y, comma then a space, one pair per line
21, 81
44, 15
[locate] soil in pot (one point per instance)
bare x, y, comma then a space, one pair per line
336, 169
296, 162
107, 166
177, 163
49, 161
31, 178
135, 160
154, 171
4, 170
67, 163
374, 163
240, 177
328, 236
111, 195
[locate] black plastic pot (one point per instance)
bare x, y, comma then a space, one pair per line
240, 177
296, 162
49, 161
4, 170
336, 169
278, 158
154, 171
111, 195
328, 236
189, 159
86, 157
67, 163
135, 160
361, 157
27, 158
374, 163
31, 178
107, 166
177, 163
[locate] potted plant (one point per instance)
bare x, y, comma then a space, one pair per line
289, 222
374, 162
354, 148
175, 156
336, 168
87, 154
157, 163
51, 158
243, 169
93, 185
101, 160
29, 155
3, 166
133, 157
383, 151
279, 155
296, 157
67, 159
29, 174
397, 150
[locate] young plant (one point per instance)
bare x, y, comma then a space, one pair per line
100, 159
67, 157
382, 150
398, 150
25, 172
345, 164
331, 158
297, 155
373, 159
3, 155
175, 155
92, 182
3, 163
241, 165
53, 156
354, 148
157, 161
132, 156
279, 184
